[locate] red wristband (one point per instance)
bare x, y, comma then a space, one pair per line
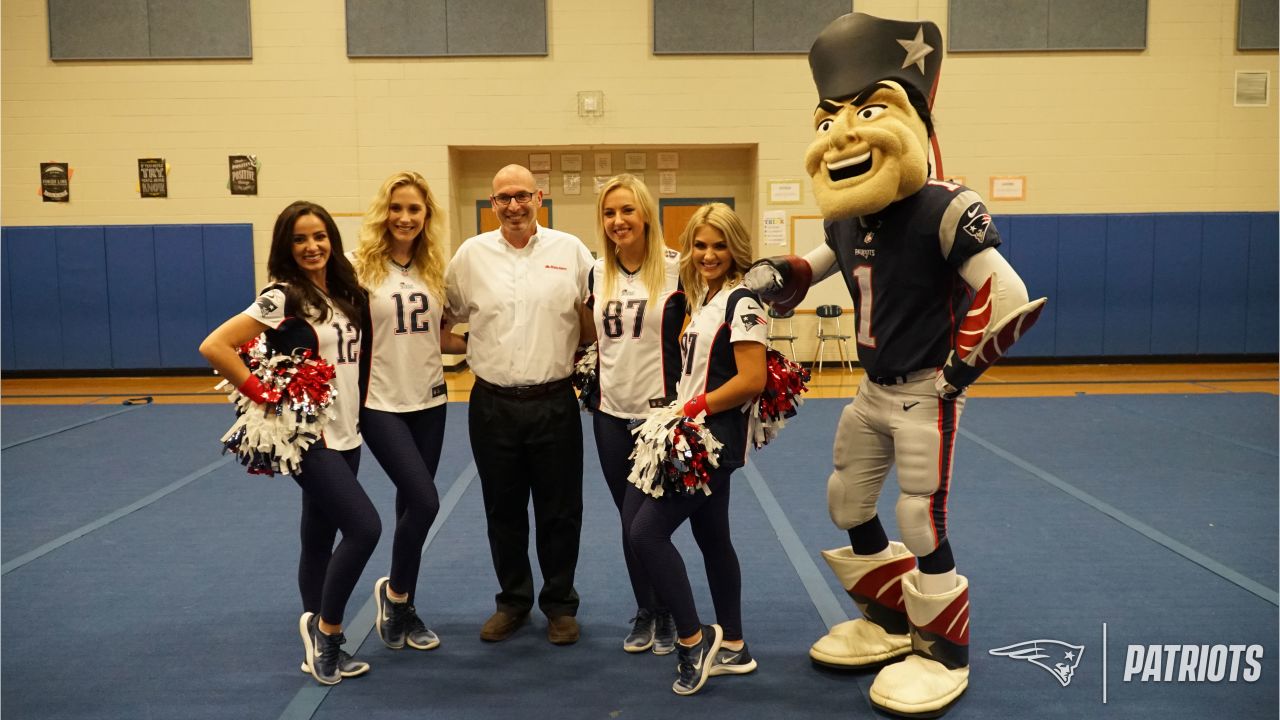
696, 406
253, 389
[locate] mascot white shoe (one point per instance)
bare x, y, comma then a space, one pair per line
875, 585
936, 673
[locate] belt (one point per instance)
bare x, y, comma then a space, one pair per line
523, 392
910, 377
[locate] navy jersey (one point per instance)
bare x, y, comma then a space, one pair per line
732, 315
901, 268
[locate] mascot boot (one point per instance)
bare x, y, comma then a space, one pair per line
937, 671
875, 585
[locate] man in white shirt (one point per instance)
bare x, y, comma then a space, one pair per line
521, 289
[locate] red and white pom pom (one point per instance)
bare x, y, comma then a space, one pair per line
270, 437
585, 375
673, 454
784, 383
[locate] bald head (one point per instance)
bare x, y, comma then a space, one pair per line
516, 199
514, 175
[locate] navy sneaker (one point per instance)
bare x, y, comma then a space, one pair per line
641, 637
390, 621
323, 651
348, 667
695, 662
416, 633
664, 634
733, 662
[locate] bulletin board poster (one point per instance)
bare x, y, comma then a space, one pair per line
153, 181
244, 174
55, 182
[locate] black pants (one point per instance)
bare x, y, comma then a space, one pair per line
407, 446
527, 447
333, 502
615, 442
708, 517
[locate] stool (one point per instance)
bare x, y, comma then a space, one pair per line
829, 329
778, 333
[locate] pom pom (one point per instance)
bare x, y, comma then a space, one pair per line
673, 454
585, 375
271, 437
785, 380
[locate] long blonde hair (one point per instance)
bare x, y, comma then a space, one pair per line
653, 269
722, 218
375, 240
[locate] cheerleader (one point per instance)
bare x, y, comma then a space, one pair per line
400, 262
722, 370
315, 303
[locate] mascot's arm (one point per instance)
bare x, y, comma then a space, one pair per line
783, 281
997, 317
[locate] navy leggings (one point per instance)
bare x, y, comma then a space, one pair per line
708, 517
614, 442
407, 446
333, 502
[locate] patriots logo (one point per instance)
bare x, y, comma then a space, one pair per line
977, 223
266, 305
749, 321
866, 239
1064, 656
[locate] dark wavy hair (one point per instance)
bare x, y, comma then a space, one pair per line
302, 297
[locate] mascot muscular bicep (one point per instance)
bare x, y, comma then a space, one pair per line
935, 304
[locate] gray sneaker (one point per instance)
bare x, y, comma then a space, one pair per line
323, 650
641, 637
348, 667
664, 634
695, 662
416, 633
733, 662
390, 621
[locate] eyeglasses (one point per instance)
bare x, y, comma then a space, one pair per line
522, 198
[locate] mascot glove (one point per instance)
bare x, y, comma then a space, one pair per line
762, 277
695, 407
253, 389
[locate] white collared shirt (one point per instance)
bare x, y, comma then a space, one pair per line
520, 304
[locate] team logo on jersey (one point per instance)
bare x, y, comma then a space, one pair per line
266, 305
749, 321
1064, 656
976, 223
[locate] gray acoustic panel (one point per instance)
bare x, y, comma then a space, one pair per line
706, 26
497, 27
203, 29
1258, 25
396, 28
981, 25
93, 29
790, 26
1097, 24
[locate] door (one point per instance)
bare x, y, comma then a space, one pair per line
676, 212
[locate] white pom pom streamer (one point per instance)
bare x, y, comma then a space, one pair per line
673, 454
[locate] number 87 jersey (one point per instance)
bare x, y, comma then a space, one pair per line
901, 268
637, 338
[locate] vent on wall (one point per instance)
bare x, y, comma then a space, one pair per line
1253, 88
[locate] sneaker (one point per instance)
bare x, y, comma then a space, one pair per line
416, 633
348, 667
664, 634
733, 662
390, 622
641, 637
695, 662
322, 649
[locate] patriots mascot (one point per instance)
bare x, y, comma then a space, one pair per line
935, 305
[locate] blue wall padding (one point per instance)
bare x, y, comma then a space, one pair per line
1264, 301
131, 293
7, 359
120, 297
82, 291
33, 293
180, 294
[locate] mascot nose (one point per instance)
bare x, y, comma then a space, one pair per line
842, 132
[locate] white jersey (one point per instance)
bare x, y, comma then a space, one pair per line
405, 370
337, 341
638, 344
733, 315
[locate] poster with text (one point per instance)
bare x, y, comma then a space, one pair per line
244, 174
55, 182
153, 181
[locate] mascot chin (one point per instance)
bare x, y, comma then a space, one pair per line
935, 305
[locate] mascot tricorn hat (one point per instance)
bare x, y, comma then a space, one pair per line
857, 49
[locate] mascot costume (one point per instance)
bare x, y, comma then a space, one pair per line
915, 253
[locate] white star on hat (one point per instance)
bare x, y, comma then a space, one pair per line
917, 50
